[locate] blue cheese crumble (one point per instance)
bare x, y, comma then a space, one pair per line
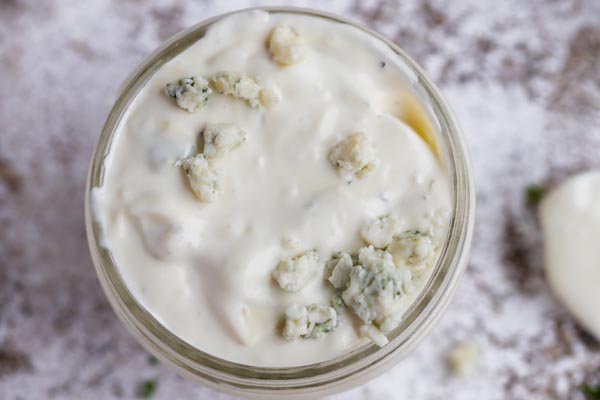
375, 334
463, 359
238, 85
412, 249
219, 139
353, 156
380, 231
270, 97
373, 287
339, 269
286, 46
202, 176
189, 93
293, 273
309, 322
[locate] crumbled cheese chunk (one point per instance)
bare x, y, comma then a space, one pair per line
381, 231
309, 322
203, 178
375, 289
412, 249
293, 273
409, 283
157, 232
296, 322
238, 85
321, 319
373, 333
390, 323
463, 359
219, 139
286, 46
354, 156
270, 97
340, 266
338, 305
189, 93
438, 223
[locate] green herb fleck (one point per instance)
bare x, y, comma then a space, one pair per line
591, 392
533, 194
146, 389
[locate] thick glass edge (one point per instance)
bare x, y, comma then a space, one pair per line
363, 362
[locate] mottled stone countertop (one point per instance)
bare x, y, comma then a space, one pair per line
523, 77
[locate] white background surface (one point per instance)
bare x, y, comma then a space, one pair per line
523, 77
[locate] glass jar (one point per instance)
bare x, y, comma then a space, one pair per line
438, 126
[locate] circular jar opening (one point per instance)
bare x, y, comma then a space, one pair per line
437, 125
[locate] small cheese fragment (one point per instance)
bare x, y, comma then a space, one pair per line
463, 359
353, 156
238, 85
286, 46
270, 97
339, 306
372, 332
380, 231
296, 322
220, 139
309, 322
293, 273
340, 266
189, 93
412, 249
203, 178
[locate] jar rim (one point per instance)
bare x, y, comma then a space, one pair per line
325, 377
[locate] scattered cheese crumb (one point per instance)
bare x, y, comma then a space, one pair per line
296, 322
238, 85
339, 306
270, 97
189, 93
438, 222
219, 139
412, 249
353, 156
309, 322
293, 273
203, 178
381, 231
340, 266
463, 359
286, 46
373, 333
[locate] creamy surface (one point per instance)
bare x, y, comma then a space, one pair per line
204, 269
570, 218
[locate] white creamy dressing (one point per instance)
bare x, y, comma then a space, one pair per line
204, 269
570, 217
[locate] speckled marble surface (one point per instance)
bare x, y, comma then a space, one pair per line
523, 77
